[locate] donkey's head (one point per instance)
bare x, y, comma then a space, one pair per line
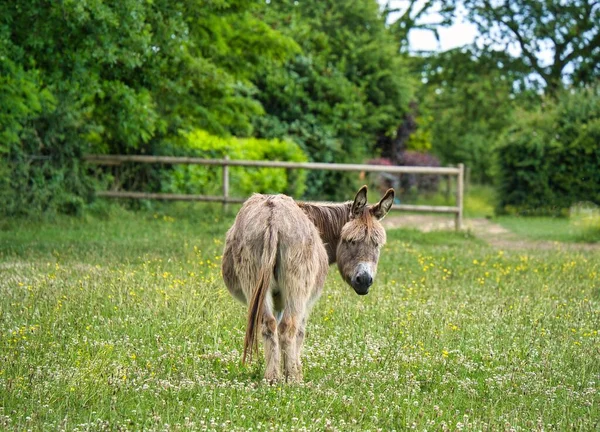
361, 240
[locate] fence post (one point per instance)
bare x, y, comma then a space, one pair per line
225, 184
459, 196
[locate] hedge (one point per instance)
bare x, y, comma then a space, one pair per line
550, 160
243, 181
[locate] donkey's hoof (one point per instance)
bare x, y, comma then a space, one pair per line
294, 377
272, 378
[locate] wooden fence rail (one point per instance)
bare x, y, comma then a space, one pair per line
457, 209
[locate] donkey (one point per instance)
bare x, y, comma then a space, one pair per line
276, 258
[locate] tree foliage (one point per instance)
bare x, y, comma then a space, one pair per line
471, 94
134, 77
566, 29
346, 88
470, 97
550, 158
335, 77
122, 76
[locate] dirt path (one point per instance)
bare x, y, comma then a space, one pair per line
492, 233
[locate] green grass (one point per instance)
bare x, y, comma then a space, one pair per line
124, 323
548, 228
480, 201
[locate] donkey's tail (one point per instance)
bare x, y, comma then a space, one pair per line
255, 310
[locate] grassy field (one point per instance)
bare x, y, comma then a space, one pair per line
123, 323
480, 202
553, 229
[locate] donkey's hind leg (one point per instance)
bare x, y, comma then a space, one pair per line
271, 342
300, 343
288, 328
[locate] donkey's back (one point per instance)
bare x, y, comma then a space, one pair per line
264, 221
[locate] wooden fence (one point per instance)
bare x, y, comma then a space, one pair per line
457, 209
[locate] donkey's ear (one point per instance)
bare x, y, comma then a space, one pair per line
360, 201
382, 208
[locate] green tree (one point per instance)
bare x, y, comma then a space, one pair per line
471, 96
567, 29
347, 88
122, 76
549, 159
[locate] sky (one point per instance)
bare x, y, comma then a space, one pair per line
459, 34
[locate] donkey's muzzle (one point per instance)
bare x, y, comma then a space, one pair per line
362, 282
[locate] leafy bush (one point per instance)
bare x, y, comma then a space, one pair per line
119, 77
324, 133
550, 159
243, 181
40, 169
